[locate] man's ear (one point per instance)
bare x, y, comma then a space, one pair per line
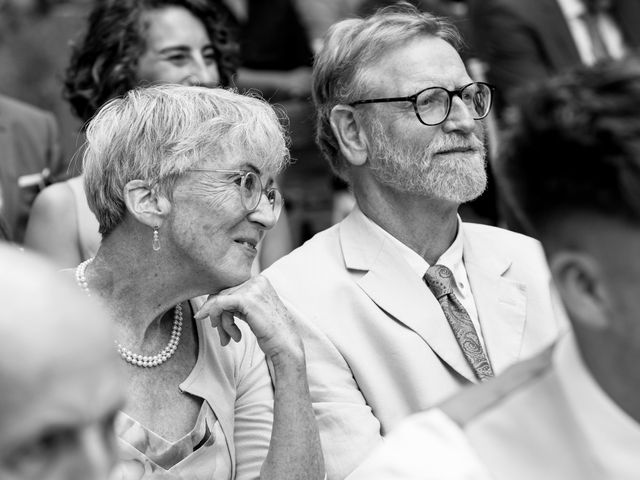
580, 284
351, 138
145, 203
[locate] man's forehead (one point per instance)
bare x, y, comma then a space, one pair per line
416, 64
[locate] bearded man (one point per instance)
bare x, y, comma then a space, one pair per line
402, 304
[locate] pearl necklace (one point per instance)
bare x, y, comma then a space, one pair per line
136, 359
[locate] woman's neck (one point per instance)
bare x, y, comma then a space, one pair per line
138, 286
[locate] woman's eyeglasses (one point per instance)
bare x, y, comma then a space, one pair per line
251, 189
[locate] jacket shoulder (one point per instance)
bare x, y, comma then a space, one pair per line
318, 253
503, 240
16, 109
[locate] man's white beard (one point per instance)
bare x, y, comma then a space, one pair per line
411, 168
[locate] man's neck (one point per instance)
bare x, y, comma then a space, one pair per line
426, 225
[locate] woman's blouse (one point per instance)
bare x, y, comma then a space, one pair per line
231, 436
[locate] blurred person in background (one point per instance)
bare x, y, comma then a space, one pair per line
189, 42
276, 59
522, 41
519, 42
59, 376
29, 160
181, 180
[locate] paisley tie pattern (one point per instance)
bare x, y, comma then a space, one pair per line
440, 281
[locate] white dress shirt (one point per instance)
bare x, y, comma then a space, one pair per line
452, 258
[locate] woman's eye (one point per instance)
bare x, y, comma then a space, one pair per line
209, 56
178, 59
237, 180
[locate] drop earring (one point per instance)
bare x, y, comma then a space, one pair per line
156, 239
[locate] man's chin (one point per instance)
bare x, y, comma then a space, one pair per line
461, 190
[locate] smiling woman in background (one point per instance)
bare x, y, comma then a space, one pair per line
188, 42
181, 182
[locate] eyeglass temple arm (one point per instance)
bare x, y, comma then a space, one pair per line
411, 98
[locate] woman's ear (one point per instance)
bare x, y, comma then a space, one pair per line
349, 133
145, 203
579, 280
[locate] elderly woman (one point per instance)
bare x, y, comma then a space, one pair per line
156, 41
181, 182
190, 42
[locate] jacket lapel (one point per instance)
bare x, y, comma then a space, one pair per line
500, 301
554, 33
394, 288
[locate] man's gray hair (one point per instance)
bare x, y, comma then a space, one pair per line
157, 133
352, 46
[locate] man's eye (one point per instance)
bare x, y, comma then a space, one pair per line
468, 96
428, 99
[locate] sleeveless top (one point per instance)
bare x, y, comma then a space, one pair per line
87, 224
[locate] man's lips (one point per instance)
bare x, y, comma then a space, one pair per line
458, 150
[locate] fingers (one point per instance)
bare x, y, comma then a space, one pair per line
256, 303
230, 327
227, 328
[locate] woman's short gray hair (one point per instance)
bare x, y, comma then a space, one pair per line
350, 47
157, 133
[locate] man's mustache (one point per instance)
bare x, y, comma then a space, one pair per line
456, 142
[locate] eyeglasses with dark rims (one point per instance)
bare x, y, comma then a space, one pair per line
433, 105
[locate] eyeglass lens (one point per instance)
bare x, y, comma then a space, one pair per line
252, 193
433, 104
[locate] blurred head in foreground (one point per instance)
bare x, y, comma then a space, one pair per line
59, 376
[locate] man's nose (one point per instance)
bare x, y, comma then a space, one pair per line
460, 117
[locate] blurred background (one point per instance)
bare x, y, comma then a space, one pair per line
508, 43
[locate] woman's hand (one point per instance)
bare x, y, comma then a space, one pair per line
256, 302
294, 450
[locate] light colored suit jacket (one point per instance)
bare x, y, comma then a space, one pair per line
29, 158
378, 345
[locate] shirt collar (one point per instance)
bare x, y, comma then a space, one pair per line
612, 436
572, 9
451, 258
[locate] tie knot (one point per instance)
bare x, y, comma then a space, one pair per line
440, 280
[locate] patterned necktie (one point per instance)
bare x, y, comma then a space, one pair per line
440, 281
